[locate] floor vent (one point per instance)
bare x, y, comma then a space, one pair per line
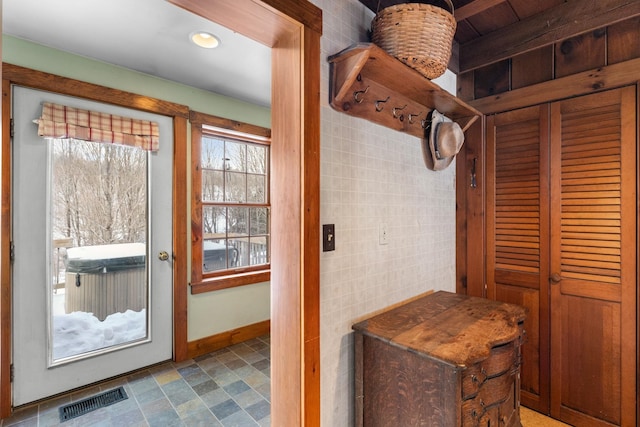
85, 406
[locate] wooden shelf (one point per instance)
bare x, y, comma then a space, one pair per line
363, 76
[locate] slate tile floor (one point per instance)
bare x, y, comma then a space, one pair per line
227, 388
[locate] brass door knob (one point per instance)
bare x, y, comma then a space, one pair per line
163, 256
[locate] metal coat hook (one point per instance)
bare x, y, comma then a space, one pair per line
395, 112
357, 97
411, 116
381, 101
424, 123
473, 173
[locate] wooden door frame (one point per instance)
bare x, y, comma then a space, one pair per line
292, 29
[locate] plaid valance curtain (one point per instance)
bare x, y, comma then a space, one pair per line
59, 121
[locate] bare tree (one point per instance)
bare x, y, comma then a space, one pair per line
99, 193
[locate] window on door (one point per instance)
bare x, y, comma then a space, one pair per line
98, 234
97, 193
230, 205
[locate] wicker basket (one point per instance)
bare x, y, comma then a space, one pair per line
420, 35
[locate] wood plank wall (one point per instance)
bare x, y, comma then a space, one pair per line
605, 46
613, 44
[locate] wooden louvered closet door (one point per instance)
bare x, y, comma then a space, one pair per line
593, 259
518, 234
561, 235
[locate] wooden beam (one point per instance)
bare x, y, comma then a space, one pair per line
454, 60
565, 20
474, 8
598, 80
464, 12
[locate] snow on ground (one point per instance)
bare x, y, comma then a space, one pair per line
80, 332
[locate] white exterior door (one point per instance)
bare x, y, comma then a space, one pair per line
92, 265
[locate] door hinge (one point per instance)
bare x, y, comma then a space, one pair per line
11, 128
12, 252
11, 373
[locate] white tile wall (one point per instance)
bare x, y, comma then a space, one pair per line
372, 175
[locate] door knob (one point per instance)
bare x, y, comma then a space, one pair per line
163, 256
555, 278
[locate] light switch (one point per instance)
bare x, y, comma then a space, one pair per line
328, 237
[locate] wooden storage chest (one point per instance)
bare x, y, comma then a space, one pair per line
442, 360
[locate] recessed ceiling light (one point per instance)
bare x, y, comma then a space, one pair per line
204, 39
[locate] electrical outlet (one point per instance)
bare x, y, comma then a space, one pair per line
383, 234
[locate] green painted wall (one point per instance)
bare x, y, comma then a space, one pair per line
27, 54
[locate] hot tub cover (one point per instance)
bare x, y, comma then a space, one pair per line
215, 255
105, 258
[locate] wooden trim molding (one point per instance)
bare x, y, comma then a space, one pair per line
470, 213
225, 279
66, 86
226, 282
5, 257
597, 80
637, 253
566, 20
225, 339
310, 158
196, 117
266, 21
292, 29
180, 244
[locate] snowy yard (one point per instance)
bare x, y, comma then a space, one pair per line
78, 332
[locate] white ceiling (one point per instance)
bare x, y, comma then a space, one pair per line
149, 36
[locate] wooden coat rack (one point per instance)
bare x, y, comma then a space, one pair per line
369, 83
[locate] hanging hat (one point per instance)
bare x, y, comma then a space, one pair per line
444, 140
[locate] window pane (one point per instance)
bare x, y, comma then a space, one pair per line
257, 159
258, 247
259, 221
212, 156
241, 246
214, 222
238, 222
98, 221
236, 156
234, 173
256, 188
236, 187
212, 186
217, 254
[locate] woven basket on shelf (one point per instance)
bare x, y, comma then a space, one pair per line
420, 35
